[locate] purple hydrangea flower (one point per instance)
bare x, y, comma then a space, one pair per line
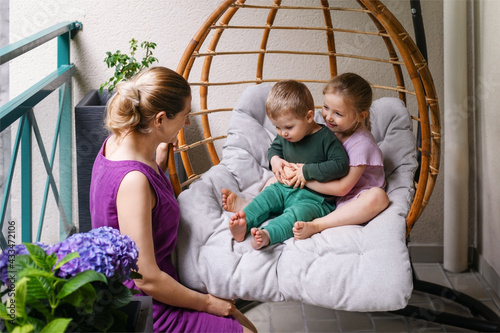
104, 250
8, 255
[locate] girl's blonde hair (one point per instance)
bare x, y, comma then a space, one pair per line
137, 101
289, 96
357, 91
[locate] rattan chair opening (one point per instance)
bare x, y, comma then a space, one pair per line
309, 41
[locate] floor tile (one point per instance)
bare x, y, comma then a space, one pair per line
260, 317
492, 306
287, 317
312, 312
419, 298
432, 273
468, 284
391, 324
322, 326
354, 321
454, 329
419, 325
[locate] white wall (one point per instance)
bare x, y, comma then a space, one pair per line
487, 99
109, 25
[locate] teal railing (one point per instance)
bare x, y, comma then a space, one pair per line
21, 108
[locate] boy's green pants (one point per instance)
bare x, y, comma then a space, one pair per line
290, 204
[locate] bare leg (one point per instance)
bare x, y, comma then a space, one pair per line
260, 238
358, 211
238, 226
303, 230
231, 202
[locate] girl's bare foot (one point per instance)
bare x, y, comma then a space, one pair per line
303, 230
238, 226
260, 238
231, 202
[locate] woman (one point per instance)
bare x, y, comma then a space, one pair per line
130, 192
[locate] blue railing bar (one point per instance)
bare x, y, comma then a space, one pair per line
48, 168
65, 139
16, 49
8, 183
26, 180
52, 156
10, 112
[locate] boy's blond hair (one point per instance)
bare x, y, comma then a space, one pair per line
289, 96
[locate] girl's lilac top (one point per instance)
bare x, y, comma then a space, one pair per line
362, 149
106, 178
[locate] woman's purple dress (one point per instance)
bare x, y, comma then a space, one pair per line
106, 178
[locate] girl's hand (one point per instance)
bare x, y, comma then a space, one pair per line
162, 156
220, 307
277, 166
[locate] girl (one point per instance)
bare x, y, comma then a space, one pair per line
361, 195
130, 192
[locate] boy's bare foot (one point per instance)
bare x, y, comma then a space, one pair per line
303, 230
238, 226
260, 238
231, 202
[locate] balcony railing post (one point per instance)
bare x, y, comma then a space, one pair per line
65, 137
26, 181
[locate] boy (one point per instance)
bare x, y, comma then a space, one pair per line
319, 154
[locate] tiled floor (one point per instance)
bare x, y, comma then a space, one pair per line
299, 317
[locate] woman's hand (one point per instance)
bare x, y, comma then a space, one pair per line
220, 307
277, 166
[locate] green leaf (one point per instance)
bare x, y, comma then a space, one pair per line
20, 297
75, 298
51, 260
70, 256
135, 291
23, 329
121, 297
23, 261
79, 280
103, 319
43, 308
135, 275
56, 325
39, 288
37, 254
119, 322
3, 312
88, 295
32, 272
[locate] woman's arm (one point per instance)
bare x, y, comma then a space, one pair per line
338, 187
135, 201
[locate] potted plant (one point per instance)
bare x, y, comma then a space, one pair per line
90, 113
74, 285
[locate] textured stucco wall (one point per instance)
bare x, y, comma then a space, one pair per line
109, 25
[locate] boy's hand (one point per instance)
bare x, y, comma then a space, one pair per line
297, 178
277, 165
